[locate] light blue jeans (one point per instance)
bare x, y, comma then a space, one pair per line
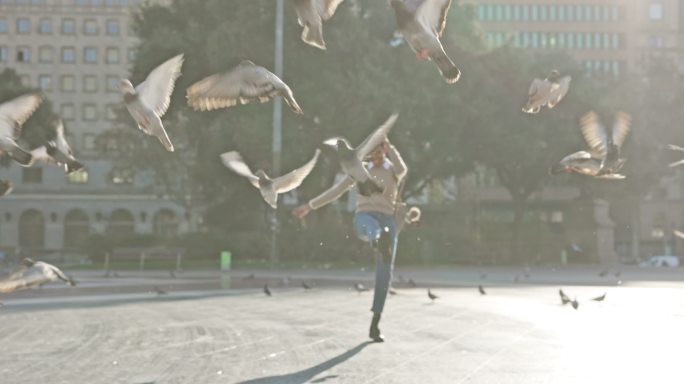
369, 226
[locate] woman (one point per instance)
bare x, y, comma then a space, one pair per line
374, 219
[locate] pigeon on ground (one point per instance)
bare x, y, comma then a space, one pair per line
481, 290
358, 287
306, 286
564, 298
603, 273
516, 279
244, 84
617, 274
432, 296
311, 14
249, 277
150, 100
172, 274
422, 23
158, 291
5, 187
600, 298
269, 188
33, 273
392, 292
679, 149
412, 283
13, 114
267, 290
547, 92
57, 151
351, 159
483, 275
575, 303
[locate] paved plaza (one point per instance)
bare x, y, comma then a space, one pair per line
116, 331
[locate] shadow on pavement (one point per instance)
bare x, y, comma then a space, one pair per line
304, 376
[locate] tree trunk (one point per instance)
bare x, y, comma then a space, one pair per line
519, 207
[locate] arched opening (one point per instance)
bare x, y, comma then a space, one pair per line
76, 229
165, 223
32, 230
121, 224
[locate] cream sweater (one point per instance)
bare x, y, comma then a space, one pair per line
387, 176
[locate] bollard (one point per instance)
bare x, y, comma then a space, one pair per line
106, 262
225, 260
142, 261
179, 256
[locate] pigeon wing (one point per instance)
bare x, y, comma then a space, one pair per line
581, 155
621, 127
295, 178
243, 84
679, 233
25, 278
433, 13
155, 92
559, 93
376, 138
326, 8
20, 109
233, 160
594, 133
40, 154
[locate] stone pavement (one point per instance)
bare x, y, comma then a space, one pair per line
518, 333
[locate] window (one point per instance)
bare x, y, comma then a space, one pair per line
23, 54
561, 40
516, 40
616, 41
3, 25
90, 83
606, 41
45, 82
535, 40
615, 13
89, 141
535, 12
113, 28
543, 13
499, 12
543, 40
481, 12
67, 83
571, 40
588, 14
132, 54
655, 11
112, 83
111, 111
46, 54
508, 12
587, 40
526, 12
656, 41
78, 177
490, 12
526, 39
571, 12
67, 111
68, 55
89, 112
121, 176
32, 175
68, 27
597, 41
90, 55
3, 54
552, 12
580, 40
579, 13
45, 26
23, 25
90, 27
112, 56
516, 12
616, 68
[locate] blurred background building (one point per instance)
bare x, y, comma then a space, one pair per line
76, 51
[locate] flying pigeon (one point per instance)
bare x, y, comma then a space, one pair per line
422, 23
13, 114
5, 187
603, 161
679, 149
150, 100
564, 298
431, 295
57, 152
351, 159
481, 290
311, 14
244, 84
600, 298
267, 291
269, 188
547, 92
33, 273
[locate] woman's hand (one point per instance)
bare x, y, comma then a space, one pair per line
301, 211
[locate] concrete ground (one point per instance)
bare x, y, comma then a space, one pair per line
115, 331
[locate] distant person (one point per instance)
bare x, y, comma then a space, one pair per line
374, 219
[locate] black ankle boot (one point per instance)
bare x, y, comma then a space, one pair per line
374, 333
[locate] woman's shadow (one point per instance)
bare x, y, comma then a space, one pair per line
302, 377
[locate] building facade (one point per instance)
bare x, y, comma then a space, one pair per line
606, 36
76, 51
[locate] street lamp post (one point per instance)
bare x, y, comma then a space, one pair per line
277, 120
